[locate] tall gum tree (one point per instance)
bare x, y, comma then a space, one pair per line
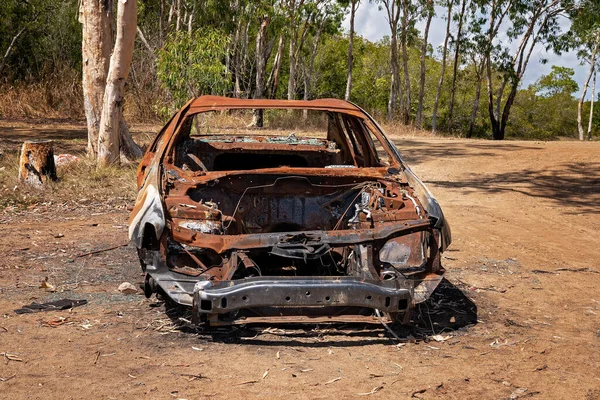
261, 64
584, 36
449, 5
96, 17
392, 9
428, 12
532, 23
113, 135
353, 8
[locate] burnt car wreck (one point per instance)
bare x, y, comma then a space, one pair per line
243, 226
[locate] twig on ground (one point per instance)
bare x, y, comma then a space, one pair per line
7, 378
416, 392
246, 383
102, 250
585, 269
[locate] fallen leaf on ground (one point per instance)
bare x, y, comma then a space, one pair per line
48, 286
265, 374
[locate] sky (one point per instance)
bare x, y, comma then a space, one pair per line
371, 23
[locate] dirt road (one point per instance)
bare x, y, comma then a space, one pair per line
518, 318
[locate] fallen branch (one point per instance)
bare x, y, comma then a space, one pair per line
542, 271
245, 383
8, 378
102, 250
416, 392
373, 391
585, 269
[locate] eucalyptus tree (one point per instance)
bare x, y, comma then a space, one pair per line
428, 12
449, 4
392, 10
584, 36
531, 23
353, 5
458, 41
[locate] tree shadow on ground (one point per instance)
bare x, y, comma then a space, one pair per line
447, 310
416, 152
573, 185
69, 139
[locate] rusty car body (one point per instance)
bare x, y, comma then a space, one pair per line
254, 227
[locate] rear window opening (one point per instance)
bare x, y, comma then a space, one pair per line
248, 161
226, 141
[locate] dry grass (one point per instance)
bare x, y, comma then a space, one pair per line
79, 184
59, 97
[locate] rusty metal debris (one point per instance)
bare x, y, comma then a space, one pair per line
246, 226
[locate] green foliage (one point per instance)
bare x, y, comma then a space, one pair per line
177, 65
543, 117
50, 38
559, 81
190, 65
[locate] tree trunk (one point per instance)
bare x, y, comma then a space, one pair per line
353, 7
261, 61
96, 20
430, 13
273, 80
583, 93
404, 42
109, 137
161, 18
291, 94
308, 71
444, 55
592, 108
392, 100
177, 15
236, 55
478, 73
36, 164
395, 86
10, 47
456, 62
244, 58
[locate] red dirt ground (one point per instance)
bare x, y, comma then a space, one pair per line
519, 315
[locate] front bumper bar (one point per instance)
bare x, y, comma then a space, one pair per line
300, 292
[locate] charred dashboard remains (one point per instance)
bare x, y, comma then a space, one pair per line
243, 227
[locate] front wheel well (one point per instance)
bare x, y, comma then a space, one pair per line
149, 240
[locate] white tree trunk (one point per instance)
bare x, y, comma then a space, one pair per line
96, 46
589, 132
583, 93
109, 137
353, 7
430, 13
261, 64
444, 55
291, 94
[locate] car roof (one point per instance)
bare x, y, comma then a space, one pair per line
219, 102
